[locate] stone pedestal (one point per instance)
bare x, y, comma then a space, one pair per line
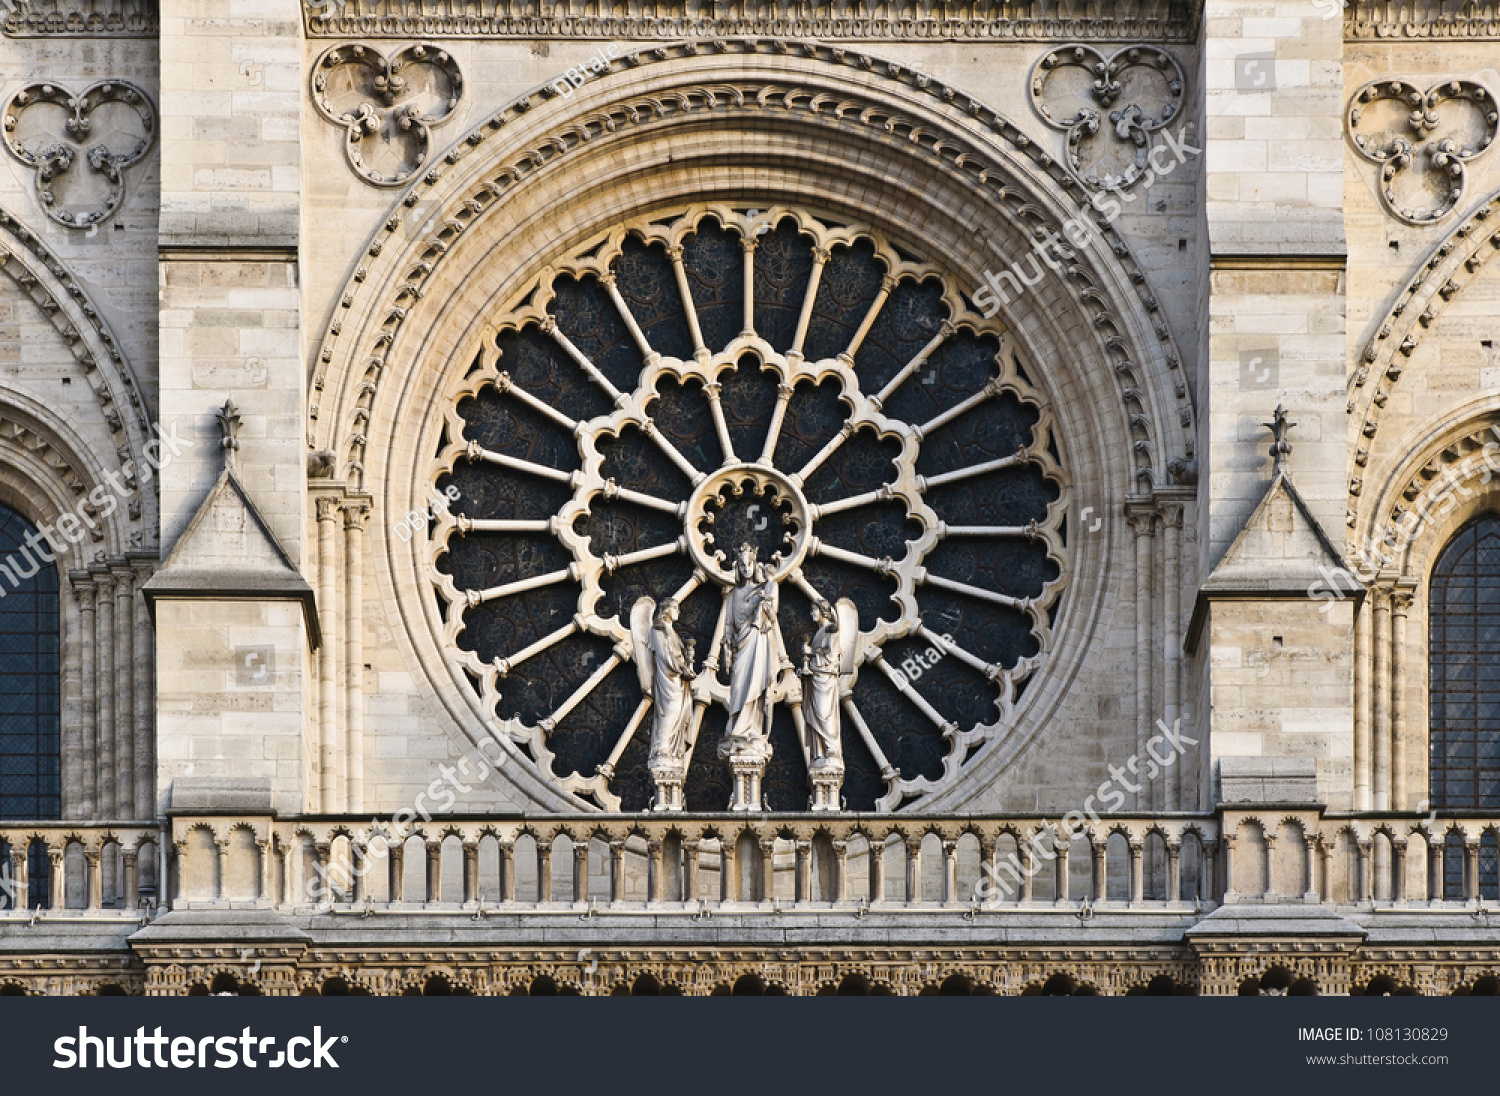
826, 785
668, 780
747, 769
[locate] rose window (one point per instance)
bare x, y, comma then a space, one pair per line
684, 387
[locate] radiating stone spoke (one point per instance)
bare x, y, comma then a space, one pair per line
1031, 531
468, 525
644, 555
800, 581
989, 391
549, 325
926, 578
845, 433
988, 669
887, 770
607, 770
651, 356
613, 490
505, 384
686, 292
909, 691
887, 286
916, 363
778, 416
711, 663
506, 665
522, 585
843, 555
1020, 456
689, 469
715, 391
820, 260
880, 494
477, 452
549, 724
694, 581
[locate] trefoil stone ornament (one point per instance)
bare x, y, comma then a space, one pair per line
387, 105
1421, 149
80, 146
1109, 107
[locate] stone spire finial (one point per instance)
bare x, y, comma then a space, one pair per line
229, 429
1280, 447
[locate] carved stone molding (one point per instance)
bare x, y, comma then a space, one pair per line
82, 19
1140, 87
387, 105
1397, 126
41, 276
1365, 19
984, 20
108, 127
1450, 267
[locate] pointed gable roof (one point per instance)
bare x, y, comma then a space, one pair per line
228, 553
1281, 552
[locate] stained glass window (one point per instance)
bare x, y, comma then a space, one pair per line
819, 395
1464, 669
30, 772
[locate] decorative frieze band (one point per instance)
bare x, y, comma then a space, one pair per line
82, 19
1025, 20
1365, 19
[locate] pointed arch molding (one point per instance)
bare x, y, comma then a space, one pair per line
1450, 267
42, 278
799, 124
1449, 471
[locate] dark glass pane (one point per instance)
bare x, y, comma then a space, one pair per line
29, 780
1463, 675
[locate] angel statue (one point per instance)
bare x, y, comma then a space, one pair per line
664, 662
826, 659
752, 654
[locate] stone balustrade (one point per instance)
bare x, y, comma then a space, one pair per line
782, 863
67, 868
691, 862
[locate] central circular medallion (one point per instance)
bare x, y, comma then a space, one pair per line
747, 504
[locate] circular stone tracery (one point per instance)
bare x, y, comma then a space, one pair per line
747, 504
610, 442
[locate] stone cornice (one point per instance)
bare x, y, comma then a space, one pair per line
1428, 19
83, 19
881, 20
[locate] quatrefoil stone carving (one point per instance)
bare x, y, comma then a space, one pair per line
1108, 106
80, 145
387, 106
1422, 152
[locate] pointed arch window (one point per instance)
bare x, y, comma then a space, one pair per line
30, 756
1464, 669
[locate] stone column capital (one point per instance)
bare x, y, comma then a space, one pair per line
356, 514
328, 507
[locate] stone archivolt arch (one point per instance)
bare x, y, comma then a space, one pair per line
51, 467
1450, 267
45, 281
1450, 472
1407, 495
753, 122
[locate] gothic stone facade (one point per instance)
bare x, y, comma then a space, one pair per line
1121, 374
